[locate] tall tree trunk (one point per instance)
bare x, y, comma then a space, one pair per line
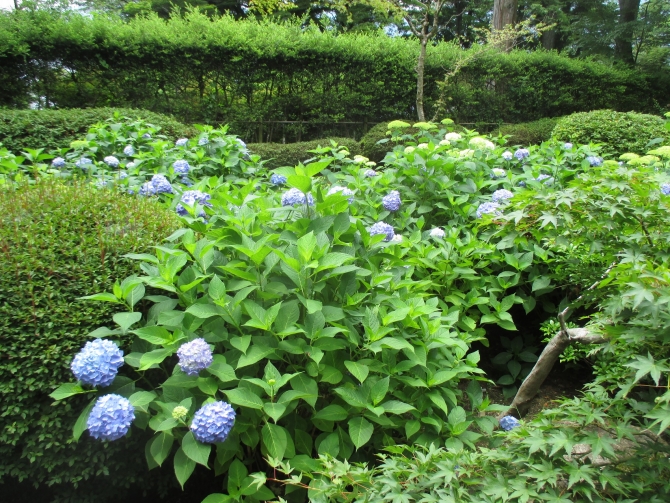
623, 48
420, 67
504, 12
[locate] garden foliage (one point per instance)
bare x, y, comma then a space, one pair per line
240, 72
528, 133
276, 155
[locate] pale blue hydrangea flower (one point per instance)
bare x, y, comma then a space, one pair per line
194, 356
665, 189
110, 418
521, 184
186, 181
370, 173
508, 423
146, 136
595, 160
128, 151
382, 228
190, 197
277, 179
487, 208
123, 175
111, 161
147, 189
522, 153
391, 202
294, 196
181, 167
203, 141
83, 163
97, 363
437, 233
501, 195
567, 146
181, 142
58, 162
161, 184
542, 177
213, 422
342, 190
507, 155
498, 173
130, 165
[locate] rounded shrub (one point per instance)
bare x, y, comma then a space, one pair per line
290, 154
58, 243
528, 133
619, 132
375, 151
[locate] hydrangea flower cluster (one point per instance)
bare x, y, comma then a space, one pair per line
468, 152
146, 136
567, 146
409, 150
294, 196
501, 195
97, 363
508, 423
498, 173
342, 190
397, 238
130, 165
542, 176
179, 411
382, 228
158, 185
129, 150
422, 146
665, 189
110, 418
277, 179
181, 167
213, 422
481, 143
203, 141
123, 175
184, 180
83, 163
521, 154
181, 142
360, 159
370, 173
452, 137
437, 233
507, 155
595, 160
391, 201
58, 162
194, 356
488, 208
190, 197
111, 161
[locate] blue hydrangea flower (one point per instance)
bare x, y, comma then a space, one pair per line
97, 363
498, 173
277, 179
521, 184
212, 422
130, 165
101, 183
147, 189
542, 177
508, 423
382, 228
294, 196
186, 181
161, 184
370, 173
194, 356
437, 233
203, 141
123, 175
507, 155
342, 190
181, 167
111, 161
190, 197
110, 418
181, 142
391, 202
522, 153
146, 136
665, 189
501, 195
488, 208
58, 162
128, 151
567, 146
595, 160
83, 163
241, 143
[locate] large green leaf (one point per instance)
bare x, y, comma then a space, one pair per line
244, 397
360, 431
274, 440
195, 450
183, 467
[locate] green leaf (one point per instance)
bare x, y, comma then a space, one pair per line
195, 450
244, 397
142, 398
102, 297
66, 390
126, 320
205, 311
154, 357
218, 498
255, 354
358, 370
154, 335
302, 183
397, 407
332, 413
329, 446
274, 440
183, 466
396, 315
80, 426
541, 283
241, 343
160, 447
223, 371
352, 397
274, 410
306, 245
360, 431
236, 474
379, 390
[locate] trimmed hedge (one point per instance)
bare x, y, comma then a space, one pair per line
61, 242
528, 133
618, 132
56, 129
290, 154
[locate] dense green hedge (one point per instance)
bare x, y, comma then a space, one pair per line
52, 129
60, 242
220, 70
618, 132
290, 154
528, 133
